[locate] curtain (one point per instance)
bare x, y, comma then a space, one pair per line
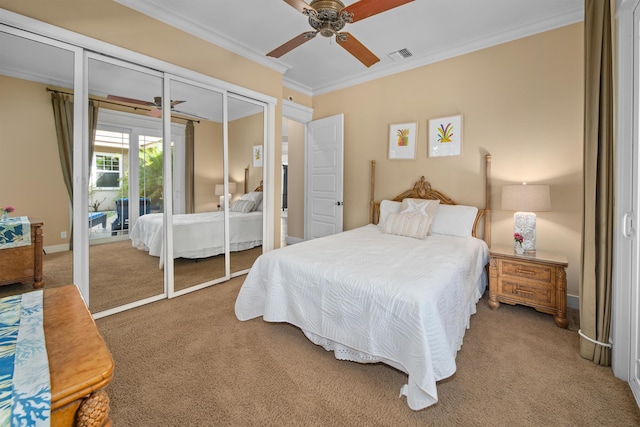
598, 176
63, 117
189, 168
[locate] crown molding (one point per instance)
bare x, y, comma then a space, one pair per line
191, 27
453, 51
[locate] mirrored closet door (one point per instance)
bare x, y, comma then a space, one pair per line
35, 141
199, 226
162, 174
247, 128
125, 184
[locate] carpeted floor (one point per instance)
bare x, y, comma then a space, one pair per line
189, 362
120, 274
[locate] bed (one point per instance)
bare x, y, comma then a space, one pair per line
374, 294
201, 235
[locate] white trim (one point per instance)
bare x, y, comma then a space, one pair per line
573, 301
170, 18
453, 51
56, 248
296, 112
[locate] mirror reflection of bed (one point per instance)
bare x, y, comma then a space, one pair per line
120, 274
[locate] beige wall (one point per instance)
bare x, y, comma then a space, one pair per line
207, 164
30, 169
243, 135
521, 101
297, 97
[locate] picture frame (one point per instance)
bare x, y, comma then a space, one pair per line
402, 141
257, 156
445, 136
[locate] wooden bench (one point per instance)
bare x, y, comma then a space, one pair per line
80, 364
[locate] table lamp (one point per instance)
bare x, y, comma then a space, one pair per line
219, 191
525, 200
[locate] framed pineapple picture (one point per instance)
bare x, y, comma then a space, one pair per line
445, 136
257, 156
402, 141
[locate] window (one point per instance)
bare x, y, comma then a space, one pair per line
107, 170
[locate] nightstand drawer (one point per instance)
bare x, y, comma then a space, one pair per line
537, 280
527, 292
527, 271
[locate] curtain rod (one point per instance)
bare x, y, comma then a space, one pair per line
121, 105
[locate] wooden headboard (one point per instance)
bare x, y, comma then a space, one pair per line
246, 182
422, 190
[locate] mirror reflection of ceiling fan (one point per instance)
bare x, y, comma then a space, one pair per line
329, 17
156, 105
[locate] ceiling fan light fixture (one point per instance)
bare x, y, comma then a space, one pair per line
329, 17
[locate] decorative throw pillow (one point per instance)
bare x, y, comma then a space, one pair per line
409, 225
420, 207
244, 206
255, 196
387, 207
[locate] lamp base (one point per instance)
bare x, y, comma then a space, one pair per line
524, 223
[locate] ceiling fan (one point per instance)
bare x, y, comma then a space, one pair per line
328, 18
156, 105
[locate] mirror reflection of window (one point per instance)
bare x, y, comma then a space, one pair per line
124, 178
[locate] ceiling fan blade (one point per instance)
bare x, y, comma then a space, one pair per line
174, 103
366, 8
291, 44
299, 5
357, 49
129, 100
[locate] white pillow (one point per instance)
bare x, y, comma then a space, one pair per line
409, 225
420, 207
255, 196
244, 206
259, 208
387, 207
454, 220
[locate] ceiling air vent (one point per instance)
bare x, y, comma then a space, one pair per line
401, 54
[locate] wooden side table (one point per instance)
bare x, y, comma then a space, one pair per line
538, 281
24, 263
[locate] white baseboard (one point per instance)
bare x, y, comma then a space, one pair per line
573, 301
293, 240
56, 248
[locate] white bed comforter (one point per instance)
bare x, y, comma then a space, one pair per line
372, 297
198, 235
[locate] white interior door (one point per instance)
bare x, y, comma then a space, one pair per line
324, 180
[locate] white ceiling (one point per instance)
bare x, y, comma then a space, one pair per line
432, 30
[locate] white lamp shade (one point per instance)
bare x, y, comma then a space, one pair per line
219, 191
526, 198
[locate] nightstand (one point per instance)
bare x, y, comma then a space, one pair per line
538, 281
